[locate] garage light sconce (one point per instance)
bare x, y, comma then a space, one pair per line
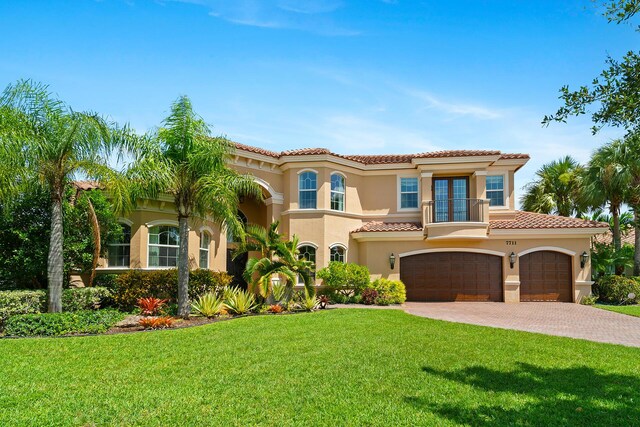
583, 259
512, 259
392, 260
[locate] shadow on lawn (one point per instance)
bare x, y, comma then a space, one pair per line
547, 396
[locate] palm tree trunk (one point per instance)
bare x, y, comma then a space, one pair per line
636, 255
617, 244
184, 307
55, 261
97, 244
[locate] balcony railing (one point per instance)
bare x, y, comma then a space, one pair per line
455, 210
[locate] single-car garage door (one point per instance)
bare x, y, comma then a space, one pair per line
545, 276
452, 276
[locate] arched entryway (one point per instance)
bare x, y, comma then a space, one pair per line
546, 276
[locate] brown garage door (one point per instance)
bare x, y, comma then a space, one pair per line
452, 276
545, 276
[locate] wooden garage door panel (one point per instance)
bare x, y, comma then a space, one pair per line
545, 276
452, 276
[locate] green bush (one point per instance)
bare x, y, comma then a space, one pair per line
135, 284
105, 281
615, 289
78, 299
20, 302
56, 324
345, 278
389, 291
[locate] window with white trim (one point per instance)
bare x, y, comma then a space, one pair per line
307, 252
409, 193
119, 252
337, 192
308, 190
495, 190
205, 242
164, 244
337, 253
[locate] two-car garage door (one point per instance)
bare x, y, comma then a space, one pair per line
468, 276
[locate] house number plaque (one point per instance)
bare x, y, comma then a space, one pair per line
511, 242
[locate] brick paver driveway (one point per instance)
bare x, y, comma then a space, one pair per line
552, 318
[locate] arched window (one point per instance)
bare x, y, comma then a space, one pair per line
243, 219
337, 253
205, 242
120, 251
308, 186
337, 192
308, 252
164, 243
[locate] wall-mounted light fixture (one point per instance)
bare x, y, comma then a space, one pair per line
392, 260
512, 259
583, 259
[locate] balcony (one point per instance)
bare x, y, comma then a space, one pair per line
456, 219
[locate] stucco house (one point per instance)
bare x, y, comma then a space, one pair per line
442, 222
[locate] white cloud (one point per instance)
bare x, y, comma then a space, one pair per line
432, 102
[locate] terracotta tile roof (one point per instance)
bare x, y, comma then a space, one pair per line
628, 238
86, 185
530, 220
389, 226
380, 158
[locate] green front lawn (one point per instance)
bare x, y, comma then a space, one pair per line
631, 310
335, 367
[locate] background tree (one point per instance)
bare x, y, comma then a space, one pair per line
47, 143
183, 159
630, 155
556, 190
615, 90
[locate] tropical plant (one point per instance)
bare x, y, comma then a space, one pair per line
44, 142
241, 302
160, 322
606, 260
557, 189
275, 309
309, 302
630, 158
183, 159
208, 305
150, 306
344, 279
369, 296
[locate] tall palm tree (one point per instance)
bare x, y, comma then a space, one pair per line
45, 142
183, 159
605, 183
556, 189
630, 155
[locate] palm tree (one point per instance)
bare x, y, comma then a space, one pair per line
45, 142
556, 189
279, 257
630, 158
605, 183
183, 159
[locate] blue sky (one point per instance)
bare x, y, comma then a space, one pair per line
367, 76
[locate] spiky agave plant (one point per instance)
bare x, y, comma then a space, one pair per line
241, 302
208, 305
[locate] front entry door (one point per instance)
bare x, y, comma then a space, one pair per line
450, 197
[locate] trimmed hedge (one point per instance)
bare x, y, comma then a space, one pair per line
20, 302
57, 324
616, 289
345, 278
389, 291
135, 284
77, 299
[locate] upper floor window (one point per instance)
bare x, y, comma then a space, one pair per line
164, 243
205, 242
408, 193
495, 190
120, 251
307, 185
337, 192
337, 253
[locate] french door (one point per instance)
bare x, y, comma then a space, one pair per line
451, 199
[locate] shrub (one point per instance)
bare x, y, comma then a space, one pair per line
150, 306
275, 308
369, 296
309, 303
161, 322
208, 305
392, 291
105, 281
135, 284
345, 278
78, 299
68, 323
589, 300
20, 302
615, 289
240, 302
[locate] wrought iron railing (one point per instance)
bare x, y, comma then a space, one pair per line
455, 210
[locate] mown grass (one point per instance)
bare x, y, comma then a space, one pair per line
336, 367
631, 310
